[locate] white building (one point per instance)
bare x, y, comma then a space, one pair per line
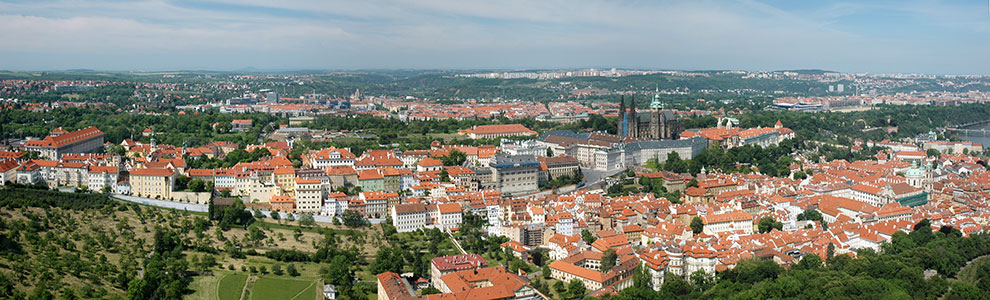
309, 195
737, 220
409, 217
446, 215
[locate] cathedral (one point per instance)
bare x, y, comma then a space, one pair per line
655, 124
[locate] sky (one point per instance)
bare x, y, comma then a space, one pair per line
901, 36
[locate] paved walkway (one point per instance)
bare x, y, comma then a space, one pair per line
203, 208
456, 244
163, 203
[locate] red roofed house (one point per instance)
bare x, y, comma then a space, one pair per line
446, 215
478, 284
152, 183
496, 131
408, 217
486, 284
727, 222
102, 176
440, 266
85, 140
240, 125
329, 157
283, 204
309, 195
586, 267
429, 164
8, 171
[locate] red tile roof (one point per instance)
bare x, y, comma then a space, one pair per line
152, 172
67, 138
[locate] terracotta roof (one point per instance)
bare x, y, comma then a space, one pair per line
458, 262
496, 129
103, 169
341, 170
449, 208
8, 164
66, 138
152, 172
430, 162
370, 174
734, 216
409, 208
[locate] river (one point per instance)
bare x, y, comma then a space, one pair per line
982, 140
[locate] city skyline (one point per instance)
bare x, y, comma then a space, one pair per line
932, 37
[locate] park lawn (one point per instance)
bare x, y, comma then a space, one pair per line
205, 287
230, 286
277, 287
222, 285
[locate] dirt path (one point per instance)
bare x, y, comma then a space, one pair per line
247, 286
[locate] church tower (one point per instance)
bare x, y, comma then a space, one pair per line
621, 127
633, 120
657, 127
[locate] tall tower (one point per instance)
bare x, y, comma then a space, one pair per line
622, 116
633, 120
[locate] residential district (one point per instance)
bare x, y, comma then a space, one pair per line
554, 192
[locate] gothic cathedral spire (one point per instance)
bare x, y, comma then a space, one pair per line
622, 116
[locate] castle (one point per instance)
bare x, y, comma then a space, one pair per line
655, 124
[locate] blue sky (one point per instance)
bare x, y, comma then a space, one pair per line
907, 36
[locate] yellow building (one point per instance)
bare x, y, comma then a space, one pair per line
152, 183
285, 178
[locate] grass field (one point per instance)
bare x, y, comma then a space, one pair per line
276, 287
225, 285
222, 285
230, 286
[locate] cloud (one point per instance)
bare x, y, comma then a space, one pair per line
705, 34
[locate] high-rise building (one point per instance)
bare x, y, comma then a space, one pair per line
272, 97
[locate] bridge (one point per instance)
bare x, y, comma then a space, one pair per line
972, 124
964, 129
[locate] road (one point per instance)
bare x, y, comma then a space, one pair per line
595, 177
203, 208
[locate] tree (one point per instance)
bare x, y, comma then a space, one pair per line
809, 262
587, 236
306, 219
276, 269
559, 287
608, 260
575, 289
352, 219
549, 152
430, 291
697, 225
197, 185
932, 152
454, 158
275, 215
291, 270
700, 280
181, 182
768, 224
